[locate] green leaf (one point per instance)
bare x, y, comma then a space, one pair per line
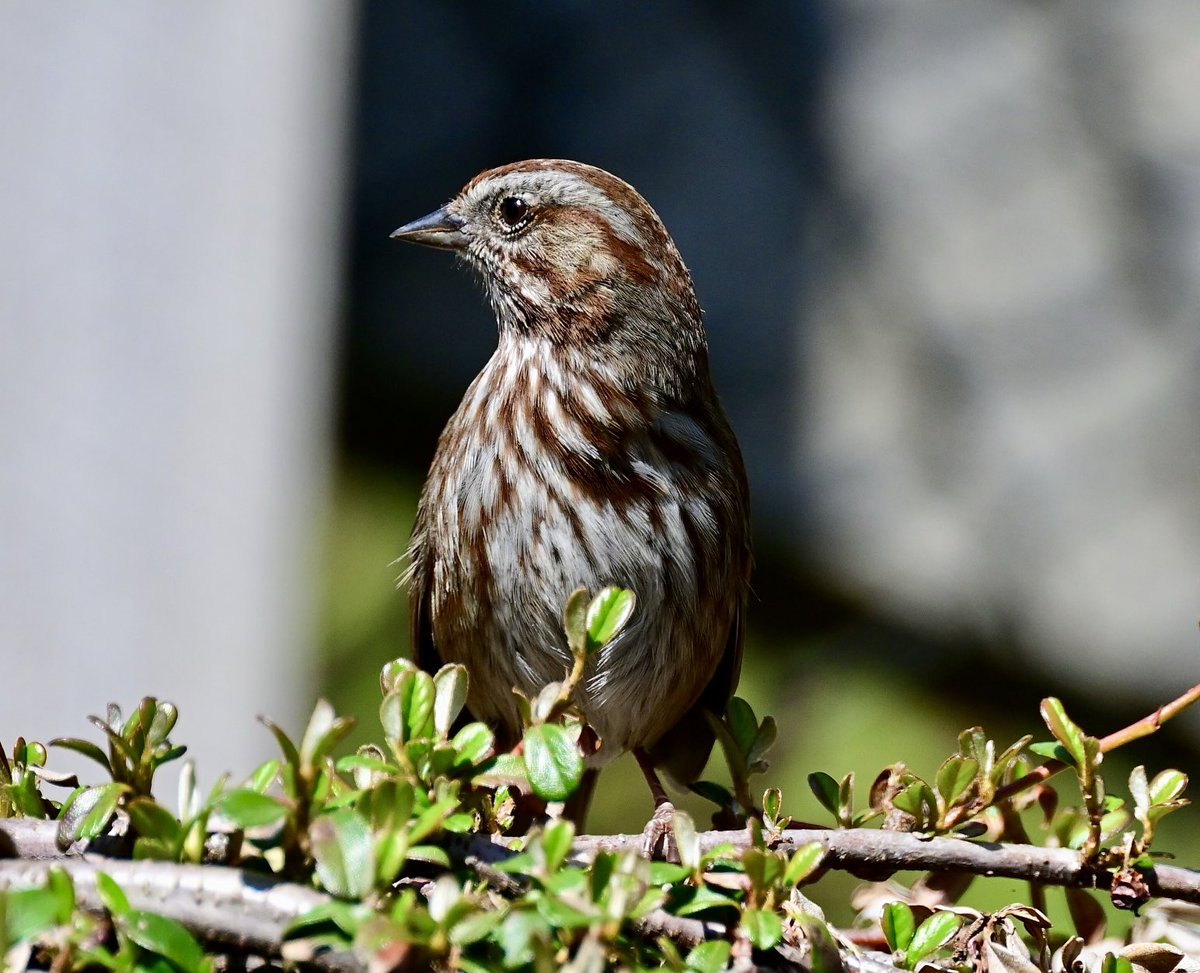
431, 854
743, 724
553, 762
710, 957
474, 927
86, 748
763, 929
101, 803
686, 840
1113, 823
290, 754
429, 820
667, 873
31, 753
932, 935
473, 744
30, 912
391, 852
1140, 790
824, 955
1007, 759
152, 820
600, 876
389, 805
825, 789
324, 731
764, 739
846, 799
516, 934
264, 776
249, 809
166, 938
1065, 730
344, 853
389, 675
575, 621
162, 723
804, 861
772, 802
450, 696
504, 770
344, 916
1167, 786
1051, 751
687, 901
1159, 811
561, 915
418, 694
446, 901
955, 777
916, 799
112, 896
319, 723
719, 795
763, 868
899, 926
1115, 964
555, 843
607, 614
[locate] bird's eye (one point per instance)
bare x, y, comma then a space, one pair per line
513, 211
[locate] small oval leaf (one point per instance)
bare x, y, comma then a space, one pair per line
165, 937
344, 854
553, 762
249, 809
899, 925
607, 614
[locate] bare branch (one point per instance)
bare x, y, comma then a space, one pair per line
226, 907
858, 849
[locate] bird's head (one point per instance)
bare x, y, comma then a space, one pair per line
567, 251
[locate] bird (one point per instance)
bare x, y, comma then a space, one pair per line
591, 450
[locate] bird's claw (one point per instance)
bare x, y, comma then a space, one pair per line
658, 837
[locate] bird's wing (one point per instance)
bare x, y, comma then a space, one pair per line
683, 751
418, 579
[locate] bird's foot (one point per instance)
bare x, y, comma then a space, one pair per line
658, 837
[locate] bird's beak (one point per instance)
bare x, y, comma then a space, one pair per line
441, 229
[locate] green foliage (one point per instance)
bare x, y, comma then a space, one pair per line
19, 777
914, 944
141, 942
409, 838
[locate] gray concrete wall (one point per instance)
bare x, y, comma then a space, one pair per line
170, 190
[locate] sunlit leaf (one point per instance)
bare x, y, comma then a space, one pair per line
607, 614
249, 809
553, 761
450, 696
954, 777
931, 936
710, 957
165, 937
899, 925
763, 929
344, 853
804, 861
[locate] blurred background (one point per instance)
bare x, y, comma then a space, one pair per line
948, 254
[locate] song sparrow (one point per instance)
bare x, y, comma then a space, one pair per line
591, 450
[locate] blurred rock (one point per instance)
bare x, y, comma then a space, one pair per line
1001, 413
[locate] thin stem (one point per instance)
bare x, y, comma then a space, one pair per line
1135, 731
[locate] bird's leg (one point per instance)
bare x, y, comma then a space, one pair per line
658, 835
